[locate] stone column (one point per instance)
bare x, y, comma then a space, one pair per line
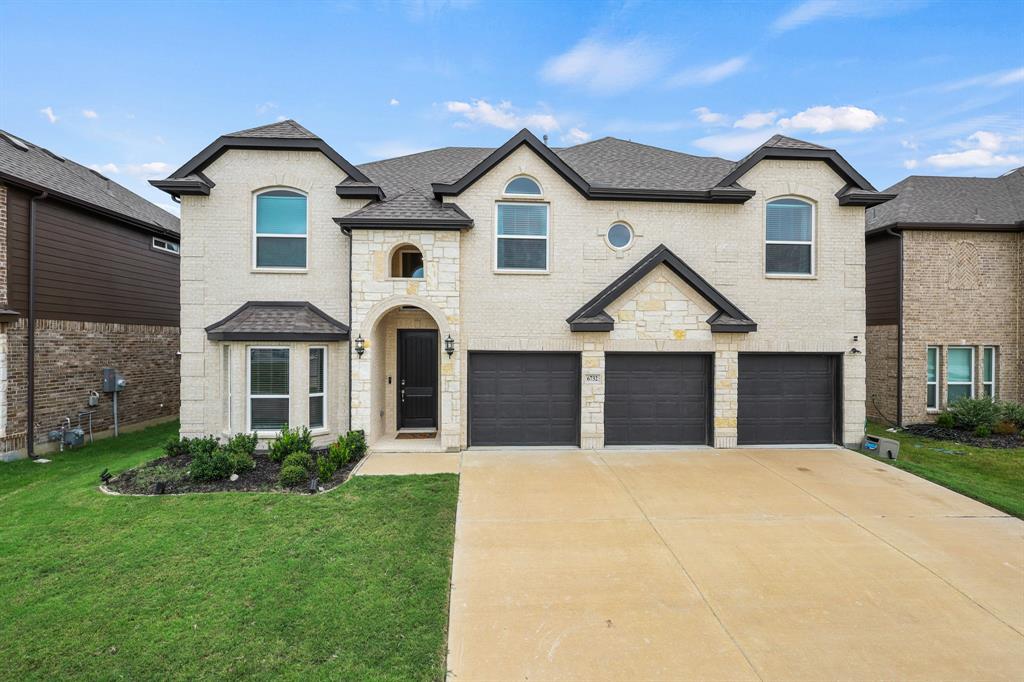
592, 397
726, 389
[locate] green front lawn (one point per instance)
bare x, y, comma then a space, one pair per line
351, 584
992, 476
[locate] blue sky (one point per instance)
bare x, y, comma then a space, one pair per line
135, 89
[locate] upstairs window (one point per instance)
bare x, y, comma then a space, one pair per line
166, 245
281, 228
789, 237
523, 187
407, 263
522, 237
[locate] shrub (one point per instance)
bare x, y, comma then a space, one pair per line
356, 441
1005, 428
241, 461
203, 446
298, 439
211, 465
983, 431
339, 453
299, 459
149, 475
945, 420
970, 413
1012, 412
325, 467
243, 442
177, 447
292, 476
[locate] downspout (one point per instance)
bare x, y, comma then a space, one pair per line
899, 330
31, 369
349, 233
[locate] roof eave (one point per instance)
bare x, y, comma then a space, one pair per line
949, 227
718, 195
277, 336
854, 197
402, 224
371, 192
830, 156
179, 188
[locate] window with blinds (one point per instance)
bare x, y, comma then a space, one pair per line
317, 387
280, 229
522, 237
789, 238
268, 389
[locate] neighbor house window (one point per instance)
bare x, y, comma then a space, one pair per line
959, 373
407, 263
789, 237
988, 371
522, 237
317, 387
933, 378
281, 228
225, 390
166, 245
268, 389
523, 187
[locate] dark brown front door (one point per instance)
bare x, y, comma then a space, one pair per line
417, 378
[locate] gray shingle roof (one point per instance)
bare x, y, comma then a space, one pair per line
289, 130
412, 205
953, 200
38, 167
277, 320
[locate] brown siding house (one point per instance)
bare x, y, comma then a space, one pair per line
945, 295
105, 294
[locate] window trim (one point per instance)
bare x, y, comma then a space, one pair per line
995, 371
628, 245
248, 390
323, 428
278, 268
813, 242
226, 379
506, 193
949, 383
547, 240
171, 247
396, 252
935, 383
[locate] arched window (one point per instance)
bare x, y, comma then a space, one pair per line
407, 262
281, 227
789, 237
523, 187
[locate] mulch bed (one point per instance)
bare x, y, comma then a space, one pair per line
172, 472
965, 437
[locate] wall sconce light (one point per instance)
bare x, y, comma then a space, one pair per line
360, 346
449, 345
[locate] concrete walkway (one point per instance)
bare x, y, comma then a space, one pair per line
728, 565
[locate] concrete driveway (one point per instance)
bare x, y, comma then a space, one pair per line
728, 565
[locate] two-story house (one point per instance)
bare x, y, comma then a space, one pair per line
607, 294
945, 295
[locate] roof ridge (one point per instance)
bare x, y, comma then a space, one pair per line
287, 123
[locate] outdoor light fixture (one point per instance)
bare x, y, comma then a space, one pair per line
449, 345
360, 346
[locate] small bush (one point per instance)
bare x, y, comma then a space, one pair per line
298, 439
945, 420
1012, 412
325, 467
970, 413
176, 447
292, 476
1005, 428
339, 453
149, 475
356, 441
243, 442
241, 461
211, 465
204, 446
983, 431
299, 459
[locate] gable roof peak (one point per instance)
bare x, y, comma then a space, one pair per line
287, 129
785, 142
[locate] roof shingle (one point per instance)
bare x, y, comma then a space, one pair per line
277, 320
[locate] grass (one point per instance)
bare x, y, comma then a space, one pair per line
989, 475
352, 584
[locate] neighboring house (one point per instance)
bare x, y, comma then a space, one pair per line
88, 280
945, 294
606, 294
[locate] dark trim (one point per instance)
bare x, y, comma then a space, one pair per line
947, 227
177, 188
592, 316
829, 156
154, 228
372, 192
357, 222
341, 334
7, 315
720, 195
851, 196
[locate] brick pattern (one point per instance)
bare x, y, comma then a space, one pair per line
70, 357
882, 363
3, 246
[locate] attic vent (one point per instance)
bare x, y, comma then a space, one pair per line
15, 142
59, 158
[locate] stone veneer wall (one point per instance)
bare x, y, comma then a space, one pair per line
883, 354
70, 357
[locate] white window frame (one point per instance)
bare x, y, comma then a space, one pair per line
546, 238
995, 372
813, 242
938, 356
628, 245
506, 193
322, 394
974, 369
248, 389
305, 235
167, 246
226, 378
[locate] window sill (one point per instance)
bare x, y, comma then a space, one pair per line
932, 410
769, 275
521, 272
279, 271
320, 431
407, 279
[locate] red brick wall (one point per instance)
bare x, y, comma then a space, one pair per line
70, 357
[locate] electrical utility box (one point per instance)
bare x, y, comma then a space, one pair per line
882, 447
113, 382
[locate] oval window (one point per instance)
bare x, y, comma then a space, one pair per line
620, 235
523, 186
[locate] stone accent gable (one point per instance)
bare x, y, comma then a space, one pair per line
663, 307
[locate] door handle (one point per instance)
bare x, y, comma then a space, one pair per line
403, 395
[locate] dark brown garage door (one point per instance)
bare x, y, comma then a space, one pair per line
787, 398
524, 399
657, 399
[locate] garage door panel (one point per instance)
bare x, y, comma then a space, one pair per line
786, 399
524, 398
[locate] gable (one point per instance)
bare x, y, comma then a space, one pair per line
660, 306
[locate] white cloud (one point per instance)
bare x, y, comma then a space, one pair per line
503, 115
106, 168
48, 113
707, 116
281, 118
393, 102
994, 79
732, 144
576, 136
1009, 78
910, 164
153, 169
827, 119
756, 119
815, 10
89, 113
265, 107
605, 68
980, 150
707, 75
909, 144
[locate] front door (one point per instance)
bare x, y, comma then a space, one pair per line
417, 379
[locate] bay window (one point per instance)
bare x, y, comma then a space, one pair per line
268, 389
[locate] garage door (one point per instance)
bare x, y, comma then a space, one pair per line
787, 398
524, 399
657, 399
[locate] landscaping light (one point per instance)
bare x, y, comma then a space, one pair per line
360, 346
449, 345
